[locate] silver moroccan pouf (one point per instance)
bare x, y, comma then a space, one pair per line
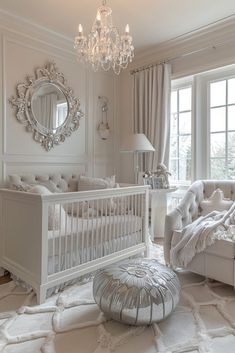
136, 292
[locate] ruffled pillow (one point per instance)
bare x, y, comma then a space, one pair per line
216, 202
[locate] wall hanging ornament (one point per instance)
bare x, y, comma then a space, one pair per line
47, 107
103, 127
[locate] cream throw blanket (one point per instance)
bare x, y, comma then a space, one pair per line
200, 234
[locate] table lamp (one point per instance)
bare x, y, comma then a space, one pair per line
136, 143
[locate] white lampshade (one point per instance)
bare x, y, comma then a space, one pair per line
136, 143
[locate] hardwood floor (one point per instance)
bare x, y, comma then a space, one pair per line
159, 241
5, 279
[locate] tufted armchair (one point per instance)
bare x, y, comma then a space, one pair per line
220, 256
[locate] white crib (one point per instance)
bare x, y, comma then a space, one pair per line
73, 245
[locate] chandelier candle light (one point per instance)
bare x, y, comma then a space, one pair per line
104, 47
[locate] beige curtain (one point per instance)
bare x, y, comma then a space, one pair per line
151, 110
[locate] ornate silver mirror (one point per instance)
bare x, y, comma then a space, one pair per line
47, 106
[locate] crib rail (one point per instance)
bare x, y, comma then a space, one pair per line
76, 232
88, 227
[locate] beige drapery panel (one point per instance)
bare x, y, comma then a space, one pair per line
151, 110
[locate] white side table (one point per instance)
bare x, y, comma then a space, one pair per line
158, 204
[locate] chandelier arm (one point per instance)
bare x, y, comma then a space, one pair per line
104, 47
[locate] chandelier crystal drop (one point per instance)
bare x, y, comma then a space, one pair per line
104, 47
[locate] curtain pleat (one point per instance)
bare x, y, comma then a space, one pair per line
151, 111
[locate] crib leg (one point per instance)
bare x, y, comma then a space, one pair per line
41, 295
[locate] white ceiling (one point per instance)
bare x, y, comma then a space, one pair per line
151, 21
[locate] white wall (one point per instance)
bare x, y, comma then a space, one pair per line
210, 48
24, 48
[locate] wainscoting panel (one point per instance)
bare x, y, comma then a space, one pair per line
82, 152
17, 140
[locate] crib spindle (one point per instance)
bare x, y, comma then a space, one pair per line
82, 250
71, 235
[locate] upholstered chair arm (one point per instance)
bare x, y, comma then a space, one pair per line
183, 214
173, 221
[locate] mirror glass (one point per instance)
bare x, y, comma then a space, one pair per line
49, 106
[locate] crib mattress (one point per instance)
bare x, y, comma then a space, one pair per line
81, 233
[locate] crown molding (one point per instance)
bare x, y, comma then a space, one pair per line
212, 35
19, 25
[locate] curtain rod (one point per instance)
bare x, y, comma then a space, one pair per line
146, 67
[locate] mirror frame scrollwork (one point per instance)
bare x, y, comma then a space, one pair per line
48, 138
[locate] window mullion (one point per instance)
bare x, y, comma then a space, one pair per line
226, 132
178, 138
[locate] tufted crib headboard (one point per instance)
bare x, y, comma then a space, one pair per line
189, 208
56, 183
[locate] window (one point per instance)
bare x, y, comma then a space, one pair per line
202, 141
181, 134
222, 129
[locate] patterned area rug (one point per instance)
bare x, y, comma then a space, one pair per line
70, 322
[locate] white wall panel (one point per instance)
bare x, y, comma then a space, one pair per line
83, 151
29, 58
103, 86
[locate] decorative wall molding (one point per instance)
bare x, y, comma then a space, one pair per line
29, 29
217, 33
29, 158
45, 43
6, 39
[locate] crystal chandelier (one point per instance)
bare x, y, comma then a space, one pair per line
104, 47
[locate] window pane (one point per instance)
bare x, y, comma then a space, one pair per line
218, 145
185, 123
185, 99
231, 91
218, 170
174, 102
174, 129
218, 93
185, 147
218, 119
180, 139
231, 169
231, 117
231, 144
185, 169
173, 147
174, 169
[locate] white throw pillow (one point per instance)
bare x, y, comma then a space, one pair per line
88, 183
56, 214
216, 202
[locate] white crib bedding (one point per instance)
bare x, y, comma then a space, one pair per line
60, 263
80, 245
84, 240
90, 233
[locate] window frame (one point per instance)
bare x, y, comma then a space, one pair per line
177, 85
203, 82
200, 123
